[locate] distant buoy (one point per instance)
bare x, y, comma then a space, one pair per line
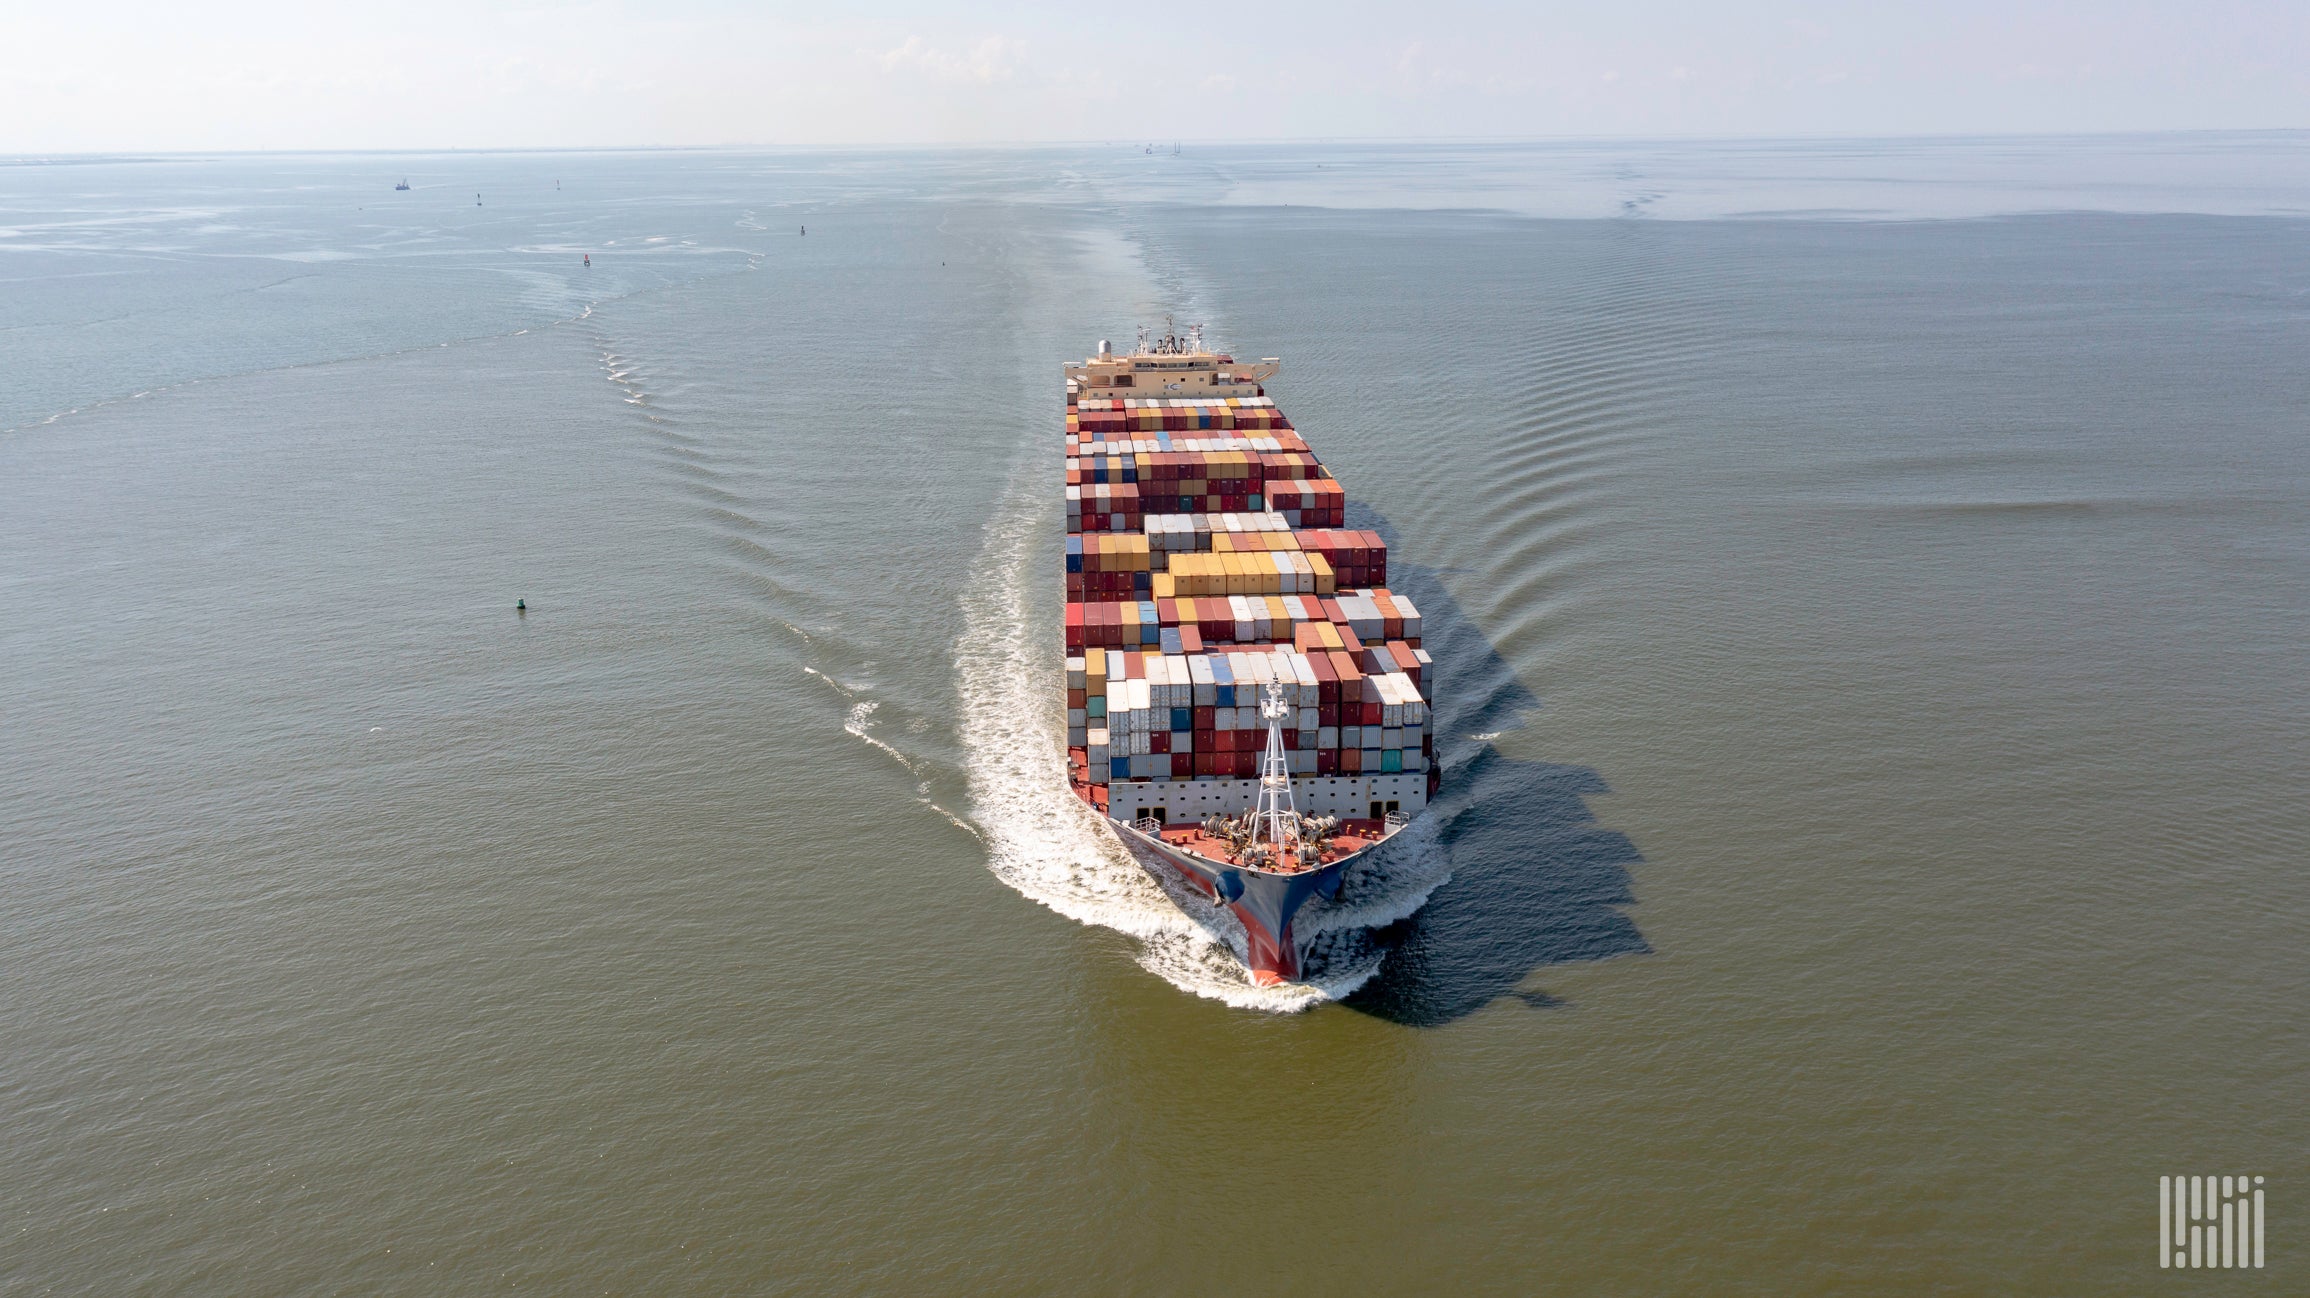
521, 606
806, 229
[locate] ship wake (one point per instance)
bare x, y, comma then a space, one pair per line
1042, 840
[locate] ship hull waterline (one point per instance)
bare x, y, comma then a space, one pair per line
1264, 903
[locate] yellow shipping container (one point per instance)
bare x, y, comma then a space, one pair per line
1324, 584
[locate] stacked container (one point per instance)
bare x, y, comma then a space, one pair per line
1206, 557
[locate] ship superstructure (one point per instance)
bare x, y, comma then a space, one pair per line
1247, 702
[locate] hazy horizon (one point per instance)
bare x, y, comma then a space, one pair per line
38, 157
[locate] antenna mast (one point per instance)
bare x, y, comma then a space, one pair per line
1275, 822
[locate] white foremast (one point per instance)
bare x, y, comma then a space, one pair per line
1275, 820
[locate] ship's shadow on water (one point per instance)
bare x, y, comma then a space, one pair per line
1535, 880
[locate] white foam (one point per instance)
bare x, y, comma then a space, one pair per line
858, 722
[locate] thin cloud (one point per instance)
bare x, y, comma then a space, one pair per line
990, 60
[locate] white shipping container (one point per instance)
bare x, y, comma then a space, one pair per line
1303, 672
1411, 617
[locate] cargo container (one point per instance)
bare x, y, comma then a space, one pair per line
1247, 702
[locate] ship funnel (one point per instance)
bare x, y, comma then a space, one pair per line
1105, 352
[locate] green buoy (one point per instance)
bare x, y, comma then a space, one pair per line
521, 606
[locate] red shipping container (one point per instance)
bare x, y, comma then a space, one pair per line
1159, 742
1351, 761
1203, 723
1327, 714
1326, 761
1182, 765
1190, 640
1246, 765
1371, 715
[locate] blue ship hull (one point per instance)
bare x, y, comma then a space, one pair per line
1264, 902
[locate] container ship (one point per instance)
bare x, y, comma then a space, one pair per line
1247, 702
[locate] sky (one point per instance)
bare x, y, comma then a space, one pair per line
105, 77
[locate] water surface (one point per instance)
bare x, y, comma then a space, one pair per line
1871, 644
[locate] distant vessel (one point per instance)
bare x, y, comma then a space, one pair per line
403, 185
1247, 703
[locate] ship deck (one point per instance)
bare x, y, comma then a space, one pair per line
1353, 837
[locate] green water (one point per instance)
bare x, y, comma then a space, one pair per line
1871, 663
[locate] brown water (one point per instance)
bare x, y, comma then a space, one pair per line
1872, 665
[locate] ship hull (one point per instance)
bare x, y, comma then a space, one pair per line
1265, 904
